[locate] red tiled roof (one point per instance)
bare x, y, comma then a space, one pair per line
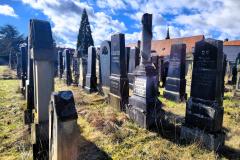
232, 43
163, 47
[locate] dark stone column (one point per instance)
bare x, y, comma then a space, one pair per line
60, 64
204, 112
91, 78
24, 59
144, 107
237, 90
119, 90
67, 72
175, 88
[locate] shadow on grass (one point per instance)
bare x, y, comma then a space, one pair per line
170, 129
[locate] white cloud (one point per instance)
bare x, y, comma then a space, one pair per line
7, 11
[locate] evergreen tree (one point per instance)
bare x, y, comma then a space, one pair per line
84, 36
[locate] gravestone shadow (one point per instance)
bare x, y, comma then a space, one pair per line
87, 150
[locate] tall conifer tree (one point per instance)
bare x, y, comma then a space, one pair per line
84, 36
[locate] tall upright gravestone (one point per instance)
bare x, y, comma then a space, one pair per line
119, 90
237, 90
24, 69
175, 88
42, 54
67, 69
134, 60
204, 113
19, 64
105, 67
144, 107
91, 78
60, 64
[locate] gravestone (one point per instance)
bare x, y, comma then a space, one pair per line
175, 88
91, 78
119, 90
18, 66
75, 69
67, 69
224, 73
60, 64
105, 67
83, 71
127, 52
24, 59
204, 113
43, 56
155, 60
165, 71
237, 89
63, 129
144, 107
134, 60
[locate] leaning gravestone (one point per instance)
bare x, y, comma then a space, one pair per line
119, 90
175, 88
134, 60
60, 64
91, 78
105, 67
67, 72
204, 113
237, 90
144, 107
24, 58
42, 54
63, 129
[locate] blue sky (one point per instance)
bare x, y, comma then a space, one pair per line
213, 18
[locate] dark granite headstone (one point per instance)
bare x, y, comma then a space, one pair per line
155, 60
91, 78
60, 64
18, 66
24, 59
134, 60
118, 80
127, 50
204, 113
175, 88
67, 71
144, 107
105, 66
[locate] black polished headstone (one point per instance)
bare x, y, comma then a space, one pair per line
91, 78
67, 71
60, 64
134, 61
175, 88
24, 59
204, 108
119, 88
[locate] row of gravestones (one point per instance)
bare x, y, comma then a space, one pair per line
204, 113
51, 116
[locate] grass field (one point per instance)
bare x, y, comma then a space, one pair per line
109, 134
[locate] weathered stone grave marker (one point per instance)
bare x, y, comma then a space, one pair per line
237, 90
119, 90
24, 59
144, 107
42, 54
63, 129
204, 113
18, 65
105, 67
67, 71
175, 88
76, 72
91, 78
134, 60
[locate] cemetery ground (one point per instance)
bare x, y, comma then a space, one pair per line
108, 134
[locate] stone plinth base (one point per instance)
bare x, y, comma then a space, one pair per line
115, 101
212, 141
39, 139
174, 96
